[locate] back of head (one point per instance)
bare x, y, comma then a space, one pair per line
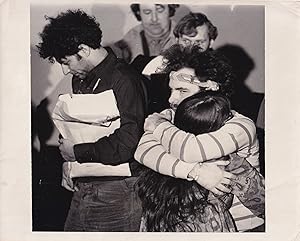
188, 24
64, 33
202, 113
136, 10
208, 65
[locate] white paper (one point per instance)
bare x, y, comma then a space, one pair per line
84, 118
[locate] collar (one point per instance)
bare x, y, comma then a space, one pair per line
103, 69
101, 72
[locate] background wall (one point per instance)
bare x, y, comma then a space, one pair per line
241, 33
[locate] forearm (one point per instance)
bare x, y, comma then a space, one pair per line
152, 154
236, 134
115, 149
118, 147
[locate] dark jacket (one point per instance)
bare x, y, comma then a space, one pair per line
119, 147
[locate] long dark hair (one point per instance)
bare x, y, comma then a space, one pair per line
169, 202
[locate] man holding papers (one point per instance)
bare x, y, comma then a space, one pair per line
100, 203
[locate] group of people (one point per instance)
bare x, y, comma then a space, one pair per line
194, 167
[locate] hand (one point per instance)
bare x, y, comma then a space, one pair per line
155, 119
66, 181
212, 177
66, 149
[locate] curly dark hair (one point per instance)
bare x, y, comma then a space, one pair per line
64, 33
188, 24
208, 65
136, 10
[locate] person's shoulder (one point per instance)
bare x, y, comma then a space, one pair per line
134, 32
124, 71
241, 120
239, 116
153, 66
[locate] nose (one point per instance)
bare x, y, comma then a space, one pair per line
154, 17
172, 98
198, 44
65, 69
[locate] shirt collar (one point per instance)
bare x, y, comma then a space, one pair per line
103, 69
102, 72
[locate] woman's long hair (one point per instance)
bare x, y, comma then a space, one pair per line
168, 203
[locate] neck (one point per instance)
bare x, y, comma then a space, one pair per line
97, 56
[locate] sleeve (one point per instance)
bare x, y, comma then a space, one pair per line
238, 133
152, 154
248, 185
118, 147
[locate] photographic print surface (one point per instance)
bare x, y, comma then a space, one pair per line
240, 39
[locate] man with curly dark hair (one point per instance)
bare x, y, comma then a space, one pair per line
191, 71
110, 203
154, 34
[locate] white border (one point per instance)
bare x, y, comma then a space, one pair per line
282, 125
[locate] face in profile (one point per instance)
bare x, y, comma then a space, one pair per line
155, 19
75, 65
200, 38
181, 87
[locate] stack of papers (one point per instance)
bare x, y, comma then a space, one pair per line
84, 118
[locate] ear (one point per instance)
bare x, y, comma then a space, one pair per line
84, 50
211, 42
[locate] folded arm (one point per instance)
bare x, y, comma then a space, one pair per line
236, 134
118, 147
153, 155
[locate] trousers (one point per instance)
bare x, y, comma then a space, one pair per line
105, 206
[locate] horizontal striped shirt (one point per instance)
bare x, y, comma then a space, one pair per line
171, 151
237, 135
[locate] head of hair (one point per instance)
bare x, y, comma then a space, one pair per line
203, 112
188, 24
208, 65
63, 34
136, 10
169, 202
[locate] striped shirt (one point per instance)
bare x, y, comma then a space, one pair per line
171, 151
237, 135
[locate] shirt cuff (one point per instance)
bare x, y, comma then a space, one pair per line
183, 169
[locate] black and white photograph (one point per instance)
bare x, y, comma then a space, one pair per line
114, 145
117, 139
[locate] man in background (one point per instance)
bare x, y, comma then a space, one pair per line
194, 29
152, 36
